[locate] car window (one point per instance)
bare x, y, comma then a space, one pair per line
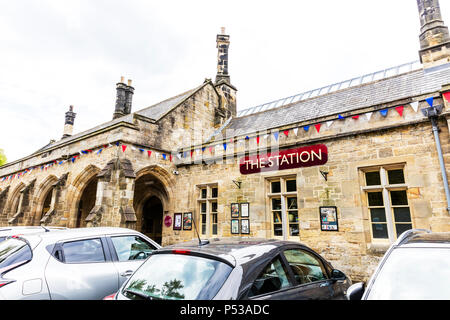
13, 251
306, 267
83, 251
271, 279
131, 248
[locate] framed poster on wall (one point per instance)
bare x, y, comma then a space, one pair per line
235, 210
245, 226
328, 219
177, 221
187, 221
245, 210
234, 226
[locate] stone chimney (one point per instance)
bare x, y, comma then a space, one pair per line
68, 124
124, 98
434, 36
222, 83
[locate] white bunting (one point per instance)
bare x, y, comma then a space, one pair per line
266, 136
295, 131
415, 105
369, 115
329, 123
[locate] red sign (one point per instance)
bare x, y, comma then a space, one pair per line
286, 159
167, 221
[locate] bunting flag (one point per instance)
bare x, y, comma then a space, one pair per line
224, 146
257, 139
164, 156
124, 147
275, 134
210, 150
384, 112
149, 153
355, 117
329, 123
306, 128
415, 105
99, 151
295, 131
340, 117
266, 136
286, 133
317, 127
369, 115
247, 138
192, 152
399, 110
117, 143
170, 157
447, 96
430, 101
203, 149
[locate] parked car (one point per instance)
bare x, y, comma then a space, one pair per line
77, 264
235, 268
19, 230
415, 267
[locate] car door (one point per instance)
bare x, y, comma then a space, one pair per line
128, 253
310, 274
81, 270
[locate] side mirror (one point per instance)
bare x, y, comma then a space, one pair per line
337, 275
356, 291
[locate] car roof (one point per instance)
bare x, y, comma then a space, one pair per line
425, 238
236, 250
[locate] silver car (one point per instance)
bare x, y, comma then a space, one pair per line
20, 230
77, 264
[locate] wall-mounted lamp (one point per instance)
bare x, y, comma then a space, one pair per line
237, 183
325, 175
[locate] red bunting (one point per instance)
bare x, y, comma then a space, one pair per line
317, 127
355, 117
149, 152
124, 147
170, 157
286, 132
447, 96
399, 110
210, 150
257, 139
192, 151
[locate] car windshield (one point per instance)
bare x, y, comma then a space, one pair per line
414, 274
176, 276
13, 251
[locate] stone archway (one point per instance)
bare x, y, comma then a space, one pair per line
81, 196
152, 194
12, 205
43, 199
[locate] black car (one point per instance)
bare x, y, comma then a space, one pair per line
235, 268
416, 267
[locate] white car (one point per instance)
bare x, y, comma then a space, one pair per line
77, 264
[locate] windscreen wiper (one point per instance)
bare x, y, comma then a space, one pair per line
142, 295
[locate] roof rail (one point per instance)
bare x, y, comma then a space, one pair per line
408, 234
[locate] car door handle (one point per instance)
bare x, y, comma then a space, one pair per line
127, 273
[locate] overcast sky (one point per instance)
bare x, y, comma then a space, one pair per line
56, 53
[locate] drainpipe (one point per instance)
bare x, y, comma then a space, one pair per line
433, 113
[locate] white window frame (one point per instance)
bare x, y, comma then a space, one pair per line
209, 200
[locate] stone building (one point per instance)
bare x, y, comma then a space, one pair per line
344, 168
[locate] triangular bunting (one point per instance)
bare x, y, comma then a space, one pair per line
317, 127
447, 96
224, 146
399, 110
340, 117
286, 132
275, 134
149, 153
257, 139
355, 117
430, 101
295, 131
384, 112
124, 147
369, 115
415, 105
329, 123
306, 128
164, 156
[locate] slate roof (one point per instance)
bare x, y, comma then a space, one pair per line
403, 86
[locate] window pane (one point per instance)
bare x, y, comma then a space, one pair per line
214, 206
292, 203
402, 227
131, 248
399, 198
84, 251
378, 215
272, 278
276, 204
214, 229
306, 267
277, 230
214, 192
277, 217
375, 199
203, 206
293, 216
373, 178
291, 185
275, 187
293, 230
402, 214
396, 176
379, 231
203, 193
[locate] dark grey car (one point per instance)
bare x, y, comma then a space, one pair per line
235, 268
416, 267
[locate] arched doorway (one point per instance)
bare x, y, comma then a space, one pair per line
86, 202
151, 220
150, 203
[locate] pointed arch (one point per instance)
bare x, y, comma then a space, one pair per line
13, 200
76, 189
42, 193
167, 179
